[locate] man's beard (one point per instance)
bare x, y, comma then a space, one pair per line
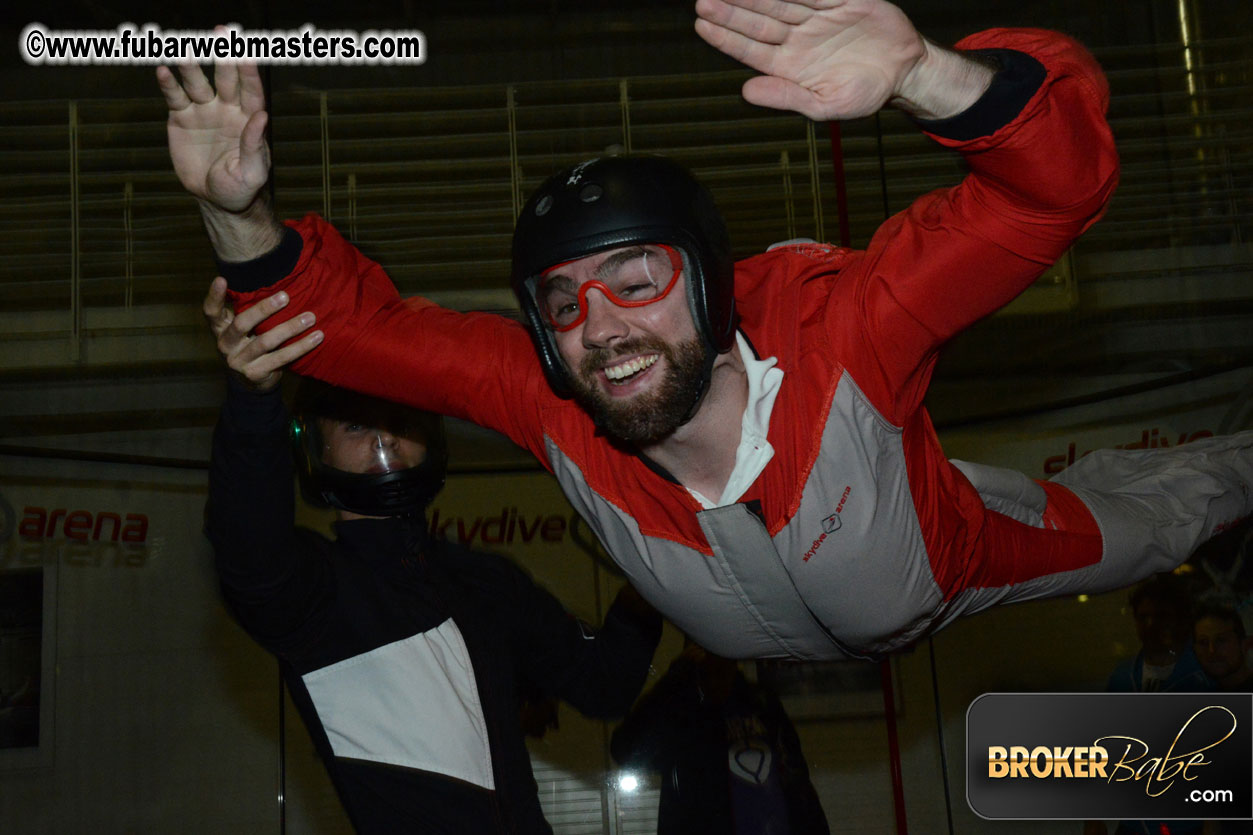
652, 415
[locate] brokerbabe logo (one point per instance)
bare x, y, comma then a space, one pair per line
1130, 756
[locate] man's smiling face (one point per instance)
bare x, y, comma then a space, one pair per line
636, 369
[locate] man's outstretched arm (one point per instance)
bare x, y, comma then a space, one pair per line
272, 582
1026, 107
406, 351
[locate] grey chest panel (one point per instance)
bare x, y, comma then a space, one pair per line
855, 547
848, 574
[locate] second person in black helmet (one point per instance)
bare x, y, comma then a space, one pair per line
749, 441
407, 657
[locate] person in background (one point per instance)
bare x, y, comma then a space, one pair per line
1161, 607
1162, 610
405, 655
729, 758
1218, 638
1221, 648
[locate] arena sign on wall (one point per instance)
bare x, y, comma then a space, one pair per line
73, 525
1047, 442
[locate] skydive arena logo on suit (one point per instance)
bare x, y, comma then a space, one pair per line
830, 524
1128, 756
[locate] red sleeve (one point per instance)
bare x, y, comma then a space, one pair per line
959, 254
474, 366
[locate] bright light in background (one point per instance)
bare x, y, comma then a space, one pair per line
628, 783
1083, 598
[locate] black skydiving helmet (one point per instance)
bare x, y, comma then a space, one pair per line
619, 201
390, 488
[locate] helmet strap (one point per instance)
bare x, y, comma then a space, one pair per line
706, 378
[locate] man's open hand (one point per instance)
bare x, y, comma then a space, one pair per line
217, 136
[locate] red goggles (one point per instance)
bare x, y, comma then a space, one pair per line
632, 277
